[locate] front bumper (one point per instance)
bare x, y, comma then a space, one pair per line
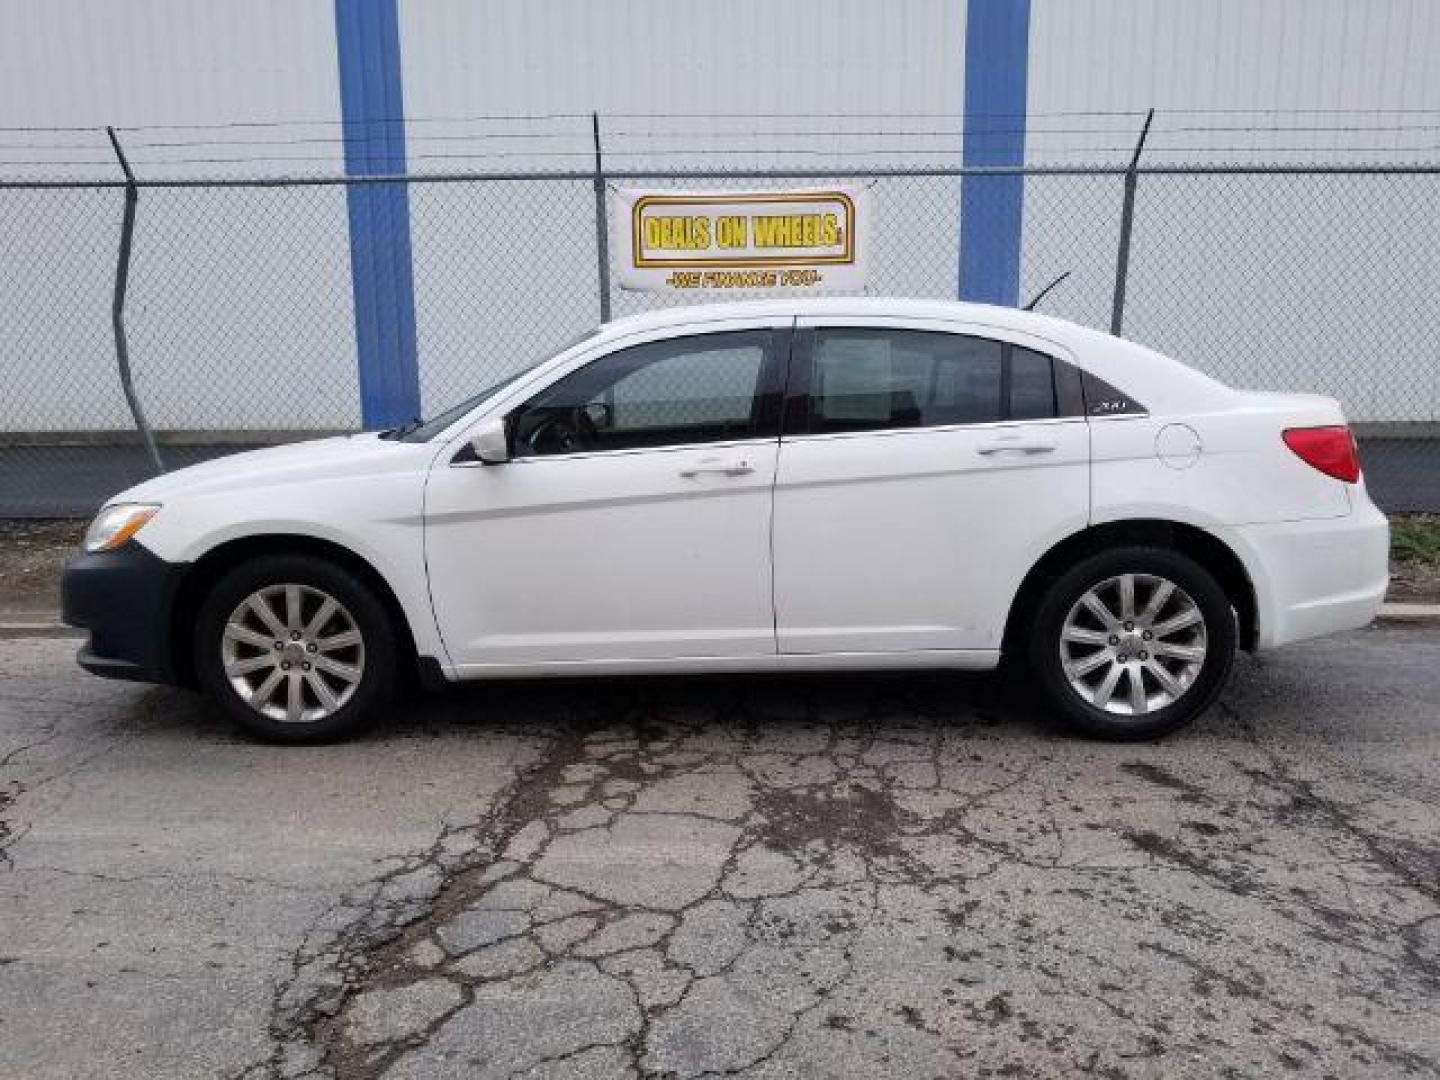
124, 598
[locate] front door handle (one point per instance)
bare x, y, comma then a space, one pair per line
1015, 446
711, 466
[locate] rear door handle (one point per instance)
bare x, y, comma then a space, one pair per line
711, 466
1015, 446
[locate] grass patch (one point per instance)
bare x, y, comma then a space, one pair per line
1416, 539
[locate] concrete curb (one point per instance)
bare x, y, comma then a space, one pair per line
46, 625
1410, 613
37, 625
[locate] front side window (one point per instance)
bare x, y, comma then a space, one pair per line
874, 379
706, 388
424, 431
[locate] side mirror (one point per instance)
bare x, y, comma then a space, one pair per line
491, 444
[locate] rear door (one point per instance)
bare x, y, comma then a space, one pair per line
924, 467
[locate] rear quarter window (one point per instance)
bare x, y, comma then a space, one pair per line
1102, 399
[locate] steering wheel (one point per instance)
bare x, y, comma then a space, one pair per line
561, 431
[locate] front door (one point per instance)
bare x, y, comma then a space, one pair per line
922, 473
633, 520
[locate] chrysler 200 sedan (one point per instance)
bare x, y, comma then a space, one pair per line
805, 485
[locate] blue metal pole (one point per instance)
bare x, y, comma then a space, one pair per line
997, 43
372, 108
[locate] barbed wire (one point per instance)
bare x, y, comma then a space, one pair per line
391, 144
547, 117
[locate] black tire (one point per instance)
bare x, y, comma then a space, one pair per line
1063, 593
378, 633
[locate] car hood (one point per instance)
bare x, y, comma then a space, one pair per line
333, 458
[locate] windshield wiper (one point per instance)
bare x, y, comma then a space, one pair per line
401, 431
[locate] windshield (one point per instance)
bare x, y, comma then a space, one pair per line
428, 429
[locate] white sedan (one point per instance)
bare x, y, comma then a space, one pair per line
804, 485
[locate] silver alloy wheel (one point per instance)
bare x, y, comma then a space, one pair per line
1141, 630
293, 653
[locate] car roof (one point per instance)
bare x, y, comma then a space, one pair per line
866, 306
1162, 383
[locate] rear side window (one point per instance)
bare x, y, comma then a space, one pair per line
875, 379
1032, 385
869, 379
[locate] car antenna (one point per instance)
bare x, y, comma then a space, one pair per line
1042, 293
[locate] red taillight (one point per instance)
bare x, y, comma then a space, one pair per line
1332, 450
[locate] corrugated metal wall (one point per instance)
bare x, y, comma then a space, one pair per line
1193, 59
687, 85
255, 305
1254, 279
87, 63
266, 276
514, 57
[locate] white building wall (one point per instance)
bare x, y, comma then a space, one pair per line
648, 57
689, 85
241, 310
1361, 57
1274, 282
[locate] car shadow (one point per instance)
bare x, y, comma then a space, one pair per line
1003, 703
960, 700
926, 698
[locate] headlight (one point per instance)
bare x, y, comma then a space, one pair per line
116, 524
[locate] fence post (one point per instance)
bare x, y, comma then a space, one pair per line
117, 306
1127, 218
602, 226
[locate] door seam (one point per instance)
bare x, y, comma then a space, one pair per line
775, 478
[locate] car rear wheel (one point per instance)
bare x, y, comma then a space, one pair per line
296, 649
1133, 643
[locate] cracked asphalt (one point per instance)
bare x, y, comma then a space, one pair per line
909, 875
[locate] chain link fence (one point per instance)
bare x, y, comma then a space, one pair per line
241, 320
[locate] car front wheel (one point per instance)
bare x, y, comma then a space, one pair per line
1133, 643
296, 649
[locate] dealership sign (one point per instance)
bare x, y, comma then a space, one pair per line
673, 241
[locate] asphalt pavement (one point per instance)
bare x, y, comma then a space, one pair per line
908, 875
